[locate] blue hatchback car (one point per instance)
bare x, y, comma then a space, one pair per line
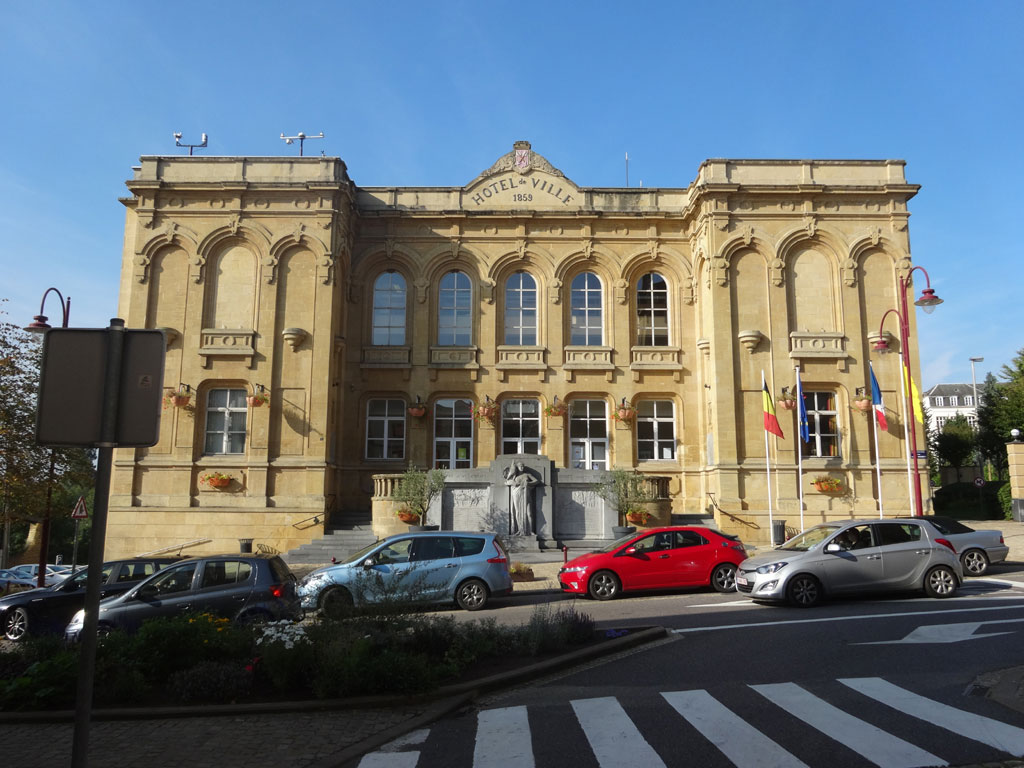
431, 566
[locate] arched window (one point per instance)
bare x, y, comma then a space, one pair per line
652, 311
586, 311
454, 321
521, 310
388, 310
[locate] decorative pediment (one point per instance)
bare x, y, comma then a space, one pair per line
522, 180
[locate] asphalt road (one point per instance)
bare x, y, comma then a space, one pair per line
880, 681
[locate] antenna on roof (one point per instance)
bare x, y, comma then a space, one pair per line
301, 138
177, 143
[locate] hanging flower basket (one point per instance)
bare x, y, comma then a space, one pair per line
179, 398
787, 403
624, 413
826, 484
556, 410
216, 480
417, 411
257, 399
863, 404
485, 412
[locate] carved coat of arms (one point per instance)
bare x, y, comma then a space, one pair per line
521, 161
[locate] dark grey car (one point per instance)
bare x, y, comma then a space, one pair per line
242, 588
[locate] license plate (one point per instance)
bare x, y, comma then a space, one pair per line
741, 580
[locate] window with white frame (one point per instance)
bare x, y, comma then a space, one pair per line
385, 429
954, 401
939, 401
823, 425
521, 310
586, 311
453, 434
969, 400
652, 311
520, 426
588, 434
388, 310
225, 421
655, 431
454, 310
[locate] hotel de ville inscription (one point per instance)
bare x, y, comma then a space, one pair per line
522, 179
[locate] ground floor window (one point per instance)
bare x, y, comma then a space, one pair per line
453, 434
225, 421
823, 425
520, 426
588, 434
385, 429
655, 430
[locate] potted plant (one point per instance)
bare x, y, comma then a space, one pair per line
556, 409
215, 479
407, 516
827, 484
415, 491
787, 399
624, 411
179, 398
521, 572
486, 411
258, 398
417, 410
627, 491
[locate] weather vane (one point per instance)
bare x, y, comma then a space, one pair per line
177, 143
301, 138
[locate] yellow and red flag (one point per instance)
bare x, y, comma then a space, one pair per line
771, 422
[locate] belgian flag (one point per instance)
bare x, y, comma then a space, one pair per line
771, 422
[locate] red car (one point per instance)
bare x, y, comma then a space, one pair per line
659, 558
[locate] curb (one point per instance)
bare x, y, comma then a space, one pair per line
448, 696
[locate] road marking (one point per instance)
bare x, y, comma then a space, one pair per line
781, 623
503, 739
739, 741
975, 727
612, 735
390, 760
876, 745
943, 633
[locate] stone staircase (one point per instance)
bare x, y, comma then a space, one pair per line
350, 531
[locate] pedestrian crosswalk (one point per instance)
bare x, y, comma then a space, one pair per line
776, 725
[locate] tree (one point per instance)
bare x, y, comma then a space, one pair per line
1001, 409
955, 443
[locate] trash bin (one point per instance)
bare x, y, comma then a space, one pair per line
778, 532
245, 546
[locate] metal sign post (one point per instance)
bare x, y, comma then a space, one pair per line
80, 514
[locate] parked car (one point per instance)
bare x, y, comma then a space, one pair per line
853, 557
977, 549
10, 581
48, 609
659, 558
243, 588
31, 571
431, 566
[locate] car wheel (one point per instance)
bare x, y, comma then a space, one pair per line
940, 582
723, 578
253, 617
804, 591
975, 562
471, 595
17, 624
604, 585
103, 630
336, 603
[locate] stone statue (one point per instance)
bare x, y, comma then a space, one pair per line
520, 483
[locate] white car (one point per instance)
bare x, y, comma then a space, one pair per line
977, 549
853, 557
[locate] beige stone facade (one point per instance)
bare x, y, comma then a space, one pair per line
345, 304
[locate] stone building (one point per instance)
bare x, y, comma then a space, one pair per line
347, 307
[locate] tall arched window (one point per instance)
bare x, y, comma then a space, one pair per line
652, 311
454, 321
586, 318
521, 310
389, 310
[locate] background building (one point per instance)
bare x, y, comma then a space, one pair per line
347, 307
944, 401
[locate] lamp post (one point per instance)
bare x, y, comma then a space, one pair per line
39, 325
928, 301
974, 384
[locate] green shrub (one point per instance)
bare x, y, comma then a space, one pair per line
48, 684
1005, 496
963, 501
211, 682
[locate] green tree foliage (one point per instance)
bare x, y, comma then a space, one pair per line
24, 466
955, 443
416, 489
1000, 410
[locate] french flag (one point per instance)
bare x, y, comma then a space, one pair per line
876, 400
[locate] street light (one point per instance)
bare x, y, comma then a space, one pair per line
39, 325
927, 302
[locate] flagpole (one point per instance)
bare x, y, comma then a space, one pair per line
799, 448
906, 436
768, 474
878, 457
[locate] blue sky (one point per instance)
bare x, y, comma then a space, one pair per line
418, 93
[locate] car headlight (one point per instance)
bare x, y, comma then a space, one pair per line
772, 567
77, 620
574, 569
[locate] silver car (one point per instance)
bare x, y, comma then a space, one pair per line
430, 566
978, 549
853, 557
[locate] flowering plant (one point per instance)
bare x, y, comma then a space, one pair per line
257, 398
556, 409
486, 411
178, 397
624, 412
638, 515
215, 479
826, 483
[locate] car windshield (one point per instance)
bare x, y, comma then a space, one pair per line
617, 543
360, 555
810, 538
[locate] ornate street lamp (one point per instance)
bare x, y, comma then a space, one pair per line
39, 325
927, 302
